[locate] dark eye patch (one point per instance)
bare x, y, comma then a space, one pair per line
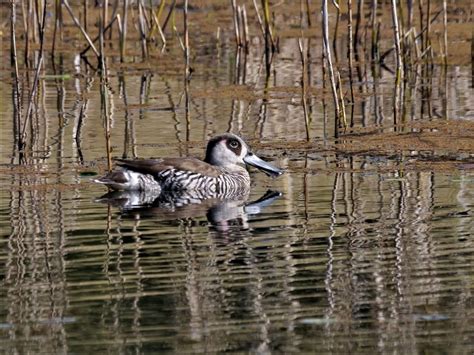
235, 146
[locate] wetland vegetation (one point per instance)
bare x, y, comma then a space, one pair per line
365, 244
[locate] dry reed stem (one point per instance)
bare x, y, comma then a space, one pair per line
235, 20
399, 70
349, 56
84, 33
259, 18
106, 29
123, 36
304, 88
327, 50
445, 32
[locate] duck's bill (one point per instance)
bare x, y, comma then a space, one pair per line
267, 168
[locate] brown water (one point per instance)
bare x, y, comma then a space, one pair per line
356, 251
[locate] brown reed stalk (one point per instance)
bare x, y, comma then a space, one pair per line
374, 44
156, 24
428, 24
57, 24
420, 35
349, 56
106, 29
33, 18
235, 20
358, 26
26, 28
410, 14
86, 13
327, 52
101, 37
244, 26
142, 21
259, 18
16, 77
168, 17
268, 27
34, 87
105, 110
268, 37
123, 34
84, 33
304, 88
308, 12
156, 21
336, 29
187, 70
341, 100
399, 70
445, 33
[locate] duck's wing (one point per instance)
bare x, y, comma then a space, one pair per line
156, 166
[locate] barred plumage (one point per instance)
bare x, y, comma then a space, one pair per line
221, 174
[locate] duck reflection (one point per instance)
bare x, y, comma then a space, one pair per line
222, 212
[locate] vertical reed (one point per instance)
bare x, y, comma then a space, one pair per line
445, 33
349, 56
238, 41
304, 88
336, 30
86, 14
142, 22
77, 23
187, 71
327, 53
358, 25
16, 80
399, 70
268, 37
41, 31
123, 32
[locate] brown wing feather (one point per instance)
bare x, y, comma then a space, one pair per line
154, 166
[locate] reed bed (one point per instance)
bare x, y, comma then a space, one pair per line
410, 56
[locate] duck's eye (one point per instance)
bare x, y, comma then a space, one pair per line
233, 144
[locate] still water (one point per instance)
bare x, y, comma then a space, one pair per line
343, 253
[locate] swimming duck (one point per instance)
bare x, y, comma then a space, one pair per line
222, 172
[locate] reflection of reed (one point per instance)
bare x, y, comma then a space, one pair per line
35, 278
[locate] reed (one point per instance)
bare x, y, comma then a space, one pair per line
336, 30
244, 26
270, 46
105, 30
26, 27
259, 18
358, 26
16, 97
304, 84
349, 56
328, 57
187, 70
236, 22
375, 33
85, 14
399, 69
34, 87
142, 27
445, 33
83, 32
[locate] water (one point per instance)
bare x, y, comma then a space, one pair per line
353, 252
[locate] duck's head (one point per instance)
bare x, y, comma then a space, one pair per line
228, 149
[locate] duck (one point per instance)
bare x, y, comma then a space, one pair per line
222, 173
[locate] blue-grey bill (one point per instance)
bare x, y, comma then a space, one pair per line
267, 168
